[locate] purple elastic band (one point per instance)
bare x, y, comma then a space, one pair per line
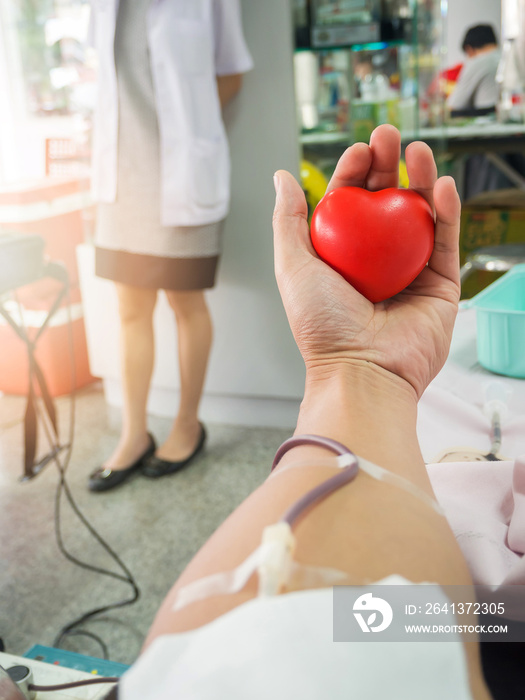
346, 474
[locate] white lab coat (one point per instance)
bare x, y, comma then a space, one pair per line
190, 43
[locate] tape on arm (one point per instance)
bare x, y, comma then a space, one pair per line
272, 560
380, 474
375, 471
275, 559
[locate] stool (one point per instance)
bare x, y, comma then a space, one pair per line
495, 258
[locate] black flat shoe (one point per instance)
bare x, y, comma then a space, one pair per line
155, 467
103, 478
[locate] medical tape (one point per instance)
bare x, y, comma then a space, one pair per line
272, 553
222, 583
380, 474
374, 470
273, 559
294, 576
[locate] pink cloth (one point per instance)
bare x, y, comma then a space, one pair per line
485, 505
484, 501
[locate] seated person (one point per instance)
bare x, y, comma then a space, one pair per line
367, 365
476, 90
476, 87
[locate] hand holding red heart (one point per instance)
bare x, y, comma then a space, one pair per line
407, 334
378, 241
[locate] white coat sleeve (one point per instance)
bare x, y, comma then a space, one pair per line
90, 38
231, 52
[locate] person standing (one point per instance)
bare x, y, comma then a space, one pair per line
161, 179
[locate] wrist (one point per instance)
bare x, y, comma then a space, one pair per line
370, 410
374, 386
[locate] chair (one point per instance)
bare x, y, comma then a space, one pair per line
496, 258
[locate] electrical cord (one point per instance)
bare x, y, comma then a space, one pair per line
126, 578
16, 683
63, 489
72, 684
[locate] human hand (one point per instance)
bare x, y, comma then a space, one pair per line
408, 335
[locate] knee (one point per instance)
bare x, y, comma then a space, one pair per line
136, 304
187, 304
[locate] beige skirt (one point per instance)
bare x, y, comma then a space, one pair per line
196, 269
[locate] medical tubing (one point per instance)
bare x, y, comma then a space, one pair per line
298, 440
496, 396
327, 487
273, 559
495, 433
316, 494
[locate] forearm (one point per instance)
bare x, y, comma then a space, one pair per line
370, 410
374, 414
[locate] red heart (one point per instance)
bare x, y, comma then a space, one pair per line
378, 241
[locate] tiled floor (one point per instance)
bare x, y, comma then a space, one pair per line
154, 526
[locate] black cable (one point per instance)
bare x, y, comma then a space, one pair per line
91, 635
63, 488
53, 456
72, 684
127, 578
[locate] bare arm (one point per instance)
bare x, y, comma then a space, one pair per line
365, 374
228, 86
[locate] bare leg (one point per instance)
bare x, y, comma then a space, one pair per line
136, 307
194, 329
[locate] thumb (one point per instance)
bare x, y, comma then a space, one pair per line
290, 221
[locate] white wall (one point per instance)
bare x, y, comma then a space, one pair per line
10, 98
255, 353
256, 375
463, 14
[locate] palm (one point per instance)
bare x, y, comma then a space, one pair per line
408, 334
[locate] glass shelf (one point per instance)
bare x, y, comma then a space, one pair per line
343, 92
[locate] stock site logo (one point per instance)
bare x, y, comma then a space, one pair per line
368, 604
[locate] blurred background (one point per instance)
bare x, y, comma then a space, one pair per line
326, 73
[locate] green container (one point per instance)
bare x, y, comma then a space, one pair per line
500, 320
365, 116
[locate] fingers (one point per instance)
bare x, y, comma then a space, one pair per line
385, 144
445, 256
352, 168
290, 222
374, 166
421, 169
443, 198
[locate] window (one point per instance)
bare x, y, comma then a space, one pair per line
49, 77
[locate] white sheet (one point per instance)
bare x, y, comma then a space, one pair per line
282, 648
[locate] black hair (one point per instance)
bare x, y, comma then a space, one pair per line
479, 36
